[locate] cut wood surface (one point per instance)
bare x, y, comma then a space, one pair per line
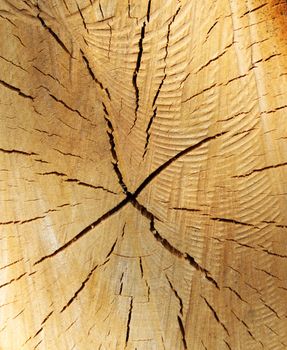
143, 163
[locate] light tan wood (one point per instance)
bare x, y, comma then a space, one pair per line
143, 175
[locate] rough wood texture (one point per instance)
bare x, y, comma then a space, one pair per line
143, 174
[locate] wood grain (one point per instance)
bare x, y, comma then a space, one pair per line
142, 164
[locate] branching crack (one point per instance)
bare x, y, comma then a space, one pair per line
131, 198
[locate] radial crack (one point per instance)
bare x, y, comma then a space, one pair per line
115, 162
89, 68
129, 321
15, 89
176, 295
136, 71
167, 163
86, 230
54, 35
182, 331
161, 83
215, 315
86, 280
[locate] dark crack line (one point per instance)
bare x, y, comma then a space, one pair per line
148, 10
83, 18
176, 295
13, 280
182, 331
101, 10
86, 280
112, 249
254, 9
86, 230
81, 183
270, 308
89, 68
15, 89
148, 131
236, 293
10, 264
14, 64
16, 151
161, 83
136, 71
261, 169
129, 321
54, 35
76, 181
49, 75
166, 164
236, 222
145, 280
165, 57
69, 108
206, 273
185, 209
215, 315
168, 246
115, 161
121, 283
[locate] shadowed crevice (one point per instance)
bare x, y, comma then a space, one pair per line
89, 68
129, 321
53, 34
15, 89
182, 331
